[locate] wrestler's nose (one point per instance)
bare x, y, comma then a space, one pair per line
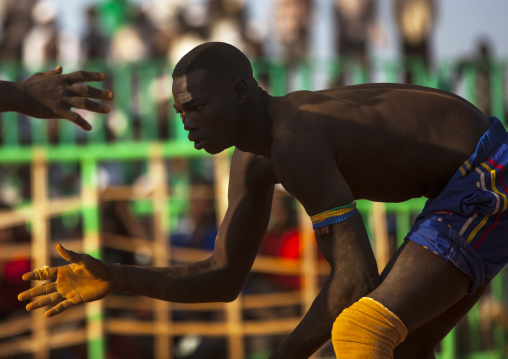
189, 124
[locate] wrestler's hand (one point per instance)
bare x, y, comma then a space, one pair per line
86, 279
52, 95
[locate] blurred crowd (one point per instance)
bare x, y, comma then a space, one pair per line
122, 31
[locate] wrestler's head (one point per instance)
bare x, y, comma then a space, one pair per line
211, 87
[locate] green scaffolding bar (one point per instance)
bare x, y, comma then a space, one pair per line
91, 218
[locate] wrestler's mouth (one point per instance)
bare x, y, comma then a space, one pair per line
199, 144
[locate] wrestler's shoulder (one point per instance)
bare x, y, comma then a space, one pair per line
297, 109
252, 170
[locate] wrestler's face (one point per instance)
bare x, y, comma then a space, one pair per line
208, 110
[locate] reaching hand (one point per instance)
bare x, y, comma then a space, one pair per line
86, 279
51, 95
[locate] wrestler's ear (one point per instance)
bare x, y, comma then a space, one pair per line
241, 90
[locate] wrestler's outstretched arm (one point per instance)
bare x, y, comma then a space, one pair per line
85, 279
52, 95
219, 278
317, 183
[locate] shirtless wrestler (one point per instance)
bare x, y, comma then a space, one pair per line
381, 142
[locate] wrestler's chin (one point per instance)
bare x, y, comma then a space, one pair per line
213, 150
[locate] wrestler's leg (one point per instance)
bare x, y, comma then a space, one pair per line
419, 286
421, 343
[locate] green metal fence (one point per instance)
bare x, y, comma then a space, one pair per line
142, 123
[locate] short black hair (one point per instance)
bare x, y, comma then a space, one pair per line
220, 58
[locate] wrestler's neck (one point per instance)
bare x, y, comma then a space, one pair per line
255, 133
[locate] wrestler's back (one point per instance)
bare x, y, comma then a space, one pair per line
392, 142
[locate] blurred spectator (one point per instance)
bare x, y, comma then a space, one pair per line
95, 43
293, 22
12, 269
17, 20
415, 21
156, 40
127, 45
192, 21
40, 45
481, 63
229, 23
282, 239
357, 25
199, 228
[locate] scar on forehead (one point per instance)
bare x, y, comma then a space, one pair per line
181, 92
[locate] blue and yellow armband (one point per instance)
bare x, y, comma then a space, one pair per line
334, 215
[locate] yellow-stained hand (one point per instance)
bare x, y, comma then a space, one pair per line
52, 95
86, 279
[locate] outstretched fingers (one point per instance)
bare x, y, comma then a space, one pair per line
75, 118
59, 308
36, 291
46, 273
89, 105
83, 76
53, 298
89, 91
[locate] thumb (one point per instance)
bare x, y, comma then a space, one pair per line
69, 256
56, 71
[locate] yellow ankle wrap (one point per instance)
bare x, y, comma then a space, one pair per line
367, 329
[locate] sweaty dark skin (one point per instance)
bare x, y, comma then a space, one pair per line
382, 142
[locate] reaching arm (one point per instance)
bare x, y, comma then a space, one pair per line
319, 186
51, 95
218, 278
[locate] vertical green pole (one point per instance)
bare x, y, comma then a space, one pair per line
39, 132
91, 245
66, 132
147, 75
419, 72
10, 123
391, 72
500, 297
497, 91
278, 79
175, 122
365, 209
122, 87
258, 68
470, 83
403, 225
98, 122
334, 68
443, 78
448, 346
305, 76
359, 74
473, 319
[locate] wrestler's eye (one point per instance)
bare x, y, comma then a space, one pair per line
181, 114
